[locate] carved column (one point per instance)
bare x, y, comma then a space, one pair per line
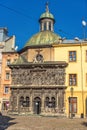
57, 99
64, 102
31, 102
42, 107
18, 101
47, 25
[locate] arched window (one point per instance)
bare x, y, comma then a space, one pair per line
47, 101
50, 26
45, 28
27, 101
21, 100
53, 102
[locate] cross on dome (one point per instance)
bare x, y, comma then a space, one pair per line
47, 8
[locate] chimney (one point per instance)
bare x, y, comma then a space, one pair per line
3, 34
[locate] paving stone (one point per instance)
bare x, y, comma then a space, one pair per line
41, 123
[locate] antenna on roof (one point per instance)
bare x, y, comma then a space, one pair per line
16, 48
76, 38
47, 8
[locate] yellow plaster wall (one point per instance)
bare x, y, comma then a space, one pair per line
61, 53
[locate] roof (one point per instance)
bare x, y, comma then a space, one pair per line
43, 38
24, 63
47, 15
20, 60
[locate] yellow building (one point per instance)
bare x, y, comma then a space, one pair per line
75, 54
50, 75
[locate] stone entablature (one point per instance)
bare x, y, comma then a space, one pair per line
38, 76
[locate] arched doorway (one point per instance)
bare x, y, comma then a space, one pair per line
37, 105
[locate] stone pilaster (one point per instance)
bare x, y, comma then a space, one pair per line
42, 107
31, 103
57, 95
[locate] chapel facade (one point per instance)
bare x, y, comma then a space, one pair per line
38, 80
49, 75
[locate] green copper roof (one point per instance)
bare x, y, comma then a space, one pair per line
47, 15
43, 38
20, 60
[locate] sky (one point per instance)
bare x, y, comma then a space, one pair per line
21, 18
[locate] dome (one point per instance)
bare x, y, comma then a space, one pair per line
43, 38
47, 15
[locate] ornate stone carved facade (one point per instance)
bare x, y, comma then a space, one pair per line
38, 76
38, 89
57, 94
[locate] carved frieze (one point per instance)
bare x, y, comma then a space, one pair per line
38, 76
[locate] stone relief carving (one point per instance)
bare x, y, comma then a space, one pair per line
38, 76
15, 105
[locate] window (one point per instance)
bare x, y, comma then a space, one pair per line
45, 26
39, 58
7, 75
72, 79
73, 104
27, 101
53, 102
47, 101
72, 56
24, 102
50, 104
50, 26
6, 90
8, 61
21, 101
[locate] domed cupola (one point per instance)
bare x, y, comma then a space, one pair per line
47, 20
46, 36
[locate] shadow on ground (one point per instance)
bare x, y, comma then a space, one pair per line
84, 123
5, 122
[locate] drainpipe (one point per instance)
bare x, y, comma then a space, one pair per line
82, 114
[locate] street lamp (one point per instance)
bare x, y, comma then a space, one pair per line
36, 103
84, 24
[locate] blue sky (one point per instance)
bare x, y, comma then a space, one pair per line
21, 17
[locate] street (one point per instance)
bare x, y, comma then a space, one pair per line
41, 123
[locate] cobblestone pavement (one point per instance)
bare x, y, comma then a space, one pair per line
41, 123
